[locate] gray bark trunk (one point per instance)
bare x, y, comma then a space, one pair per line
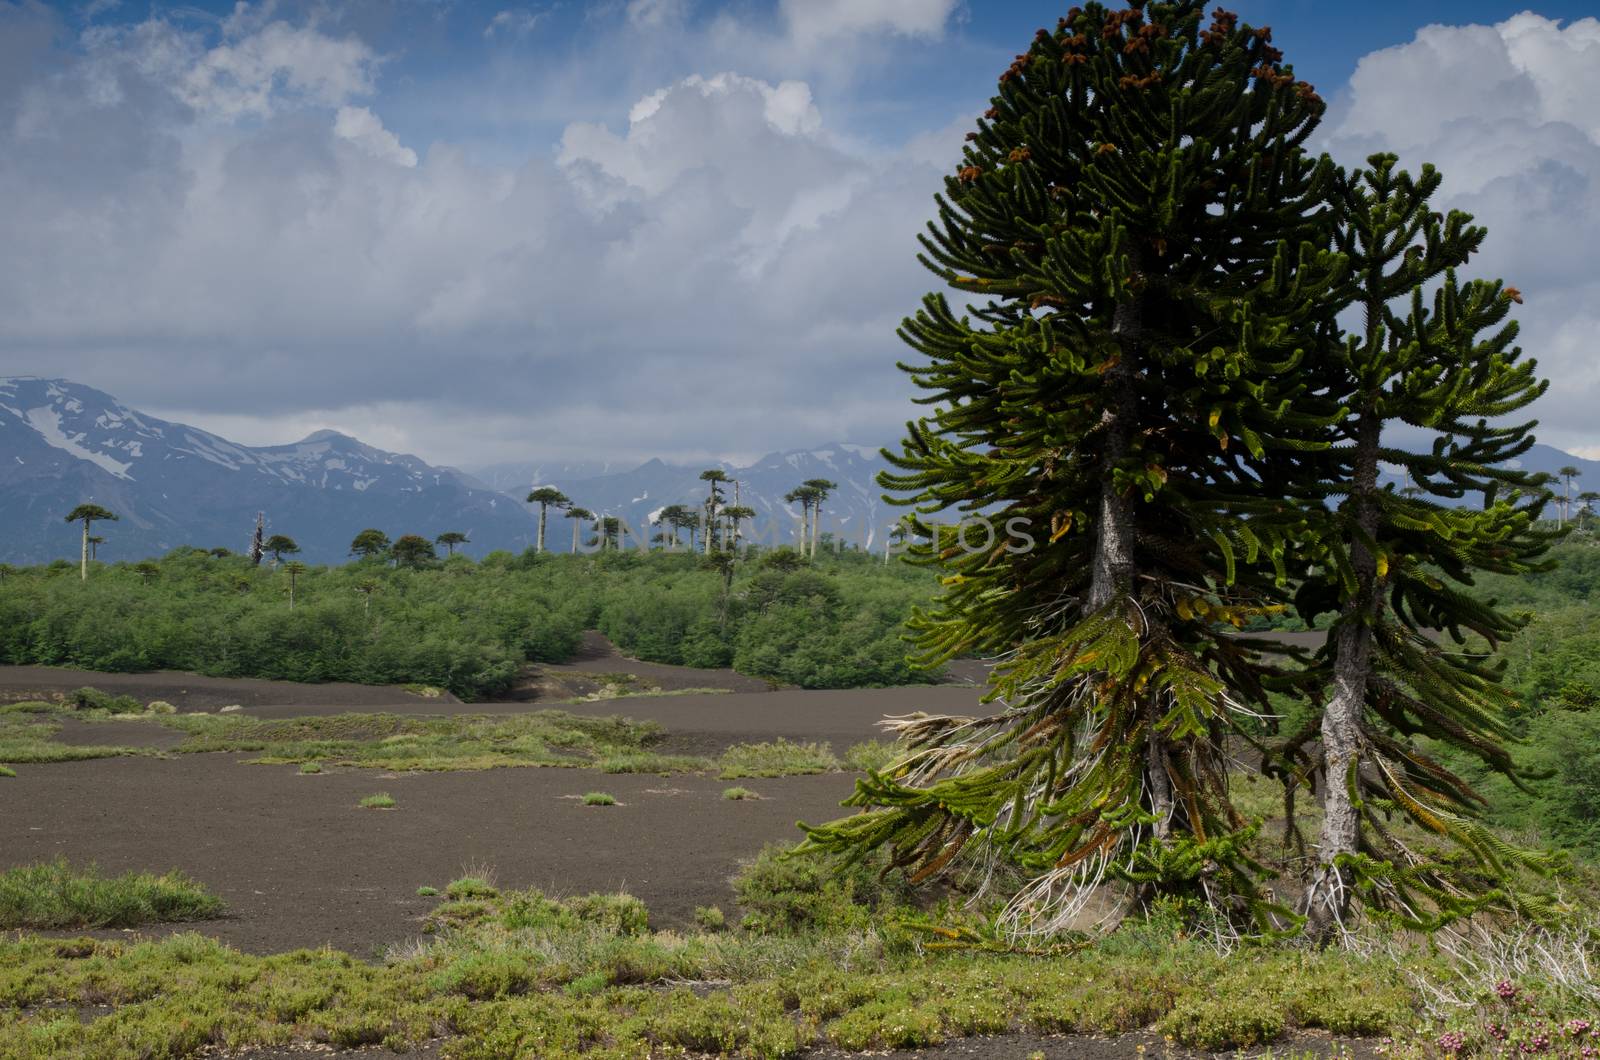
541, 529
1327, 898
1114, 566
83, 567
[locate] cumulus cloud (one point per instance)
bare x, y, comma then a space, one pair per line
715, 275
1504, 112
364, 129
812, 22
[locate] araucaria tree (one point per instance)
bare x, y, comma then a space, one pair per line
714, 478
1433, 356
450, 539
279, 545
579, 516
1143, 240
821, 489
88, 515
370, 542
413, 550
547, 497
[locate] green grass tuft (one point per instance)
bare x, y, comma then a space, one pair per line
427, 892
478, 886
312, 766
381, 801
738, 794
55, 895
780, 758
7, 772
599, 798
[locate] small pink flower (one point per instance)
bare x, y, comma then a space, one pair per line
1506, 989
1577, 1028
1452, 1041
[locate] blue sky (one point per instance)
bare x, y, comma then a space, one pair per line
629, 228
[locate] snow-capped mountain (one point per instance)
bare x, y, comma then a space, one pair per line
62, 444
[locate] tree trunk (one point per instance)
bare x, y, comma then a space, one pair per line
541, 527
1327, 899
1114, 566
83, 567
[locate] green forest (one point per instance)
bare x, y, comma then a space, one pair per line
469, 626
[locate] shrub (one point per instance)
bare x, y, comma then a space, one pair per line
427, 892
161, 706
710, 918
311, 767
55, 895
871, 755
784, 893
381, 801
1217, 1020
6, 771
599, 798
472, 887
780, 758
93, 699
738, 794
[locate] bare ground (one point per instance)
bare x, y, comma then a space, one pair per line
299, 864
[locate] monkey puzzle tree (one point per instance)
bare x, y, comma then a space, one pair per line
279, 545
450, 539
368, 587
413, 550
714, 478
804, 496
293, 569
579, 516
95, 541
1567, 474
88, 515
370, 542
674, 517
821, 489
736, 514
1141, 232
1394, 566
546, 497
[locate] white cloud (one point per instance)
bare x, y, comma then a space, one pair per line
1503, 111
656, 14
812, 22
716, 272
364, 129
517, 22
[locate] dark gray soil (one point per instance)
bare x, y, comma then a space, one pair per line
299, 864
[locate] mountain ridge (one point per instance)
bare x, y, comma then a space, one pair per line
63, 443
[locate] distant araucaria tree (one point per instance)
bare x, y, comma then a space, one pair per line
546, 497
450, 539
88, 515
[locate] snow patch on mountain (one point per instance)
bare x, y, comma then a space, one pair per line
47, 421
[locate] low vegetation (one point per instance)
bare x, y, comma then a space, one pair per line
779, 758
832, 623
826, 961
380, 801
56, 895
599, 798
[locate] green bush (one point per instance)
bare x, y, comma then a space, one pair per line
782, 892
838, 623
94, 699
55, 895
